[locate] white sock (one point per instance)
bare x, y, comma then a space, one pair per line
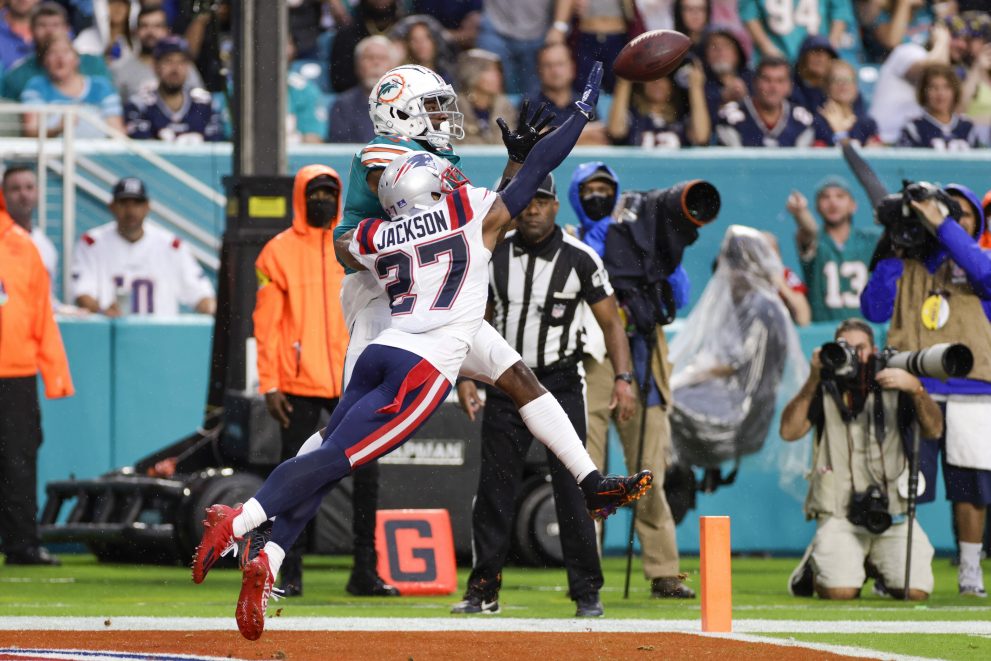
970, 554
275, 557
252, 515
311, 444
550, 425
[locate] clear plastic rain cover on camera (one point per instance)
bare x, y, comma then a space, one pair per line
737, 361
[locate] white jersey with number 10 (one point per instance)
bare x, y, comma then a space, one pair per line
433, 266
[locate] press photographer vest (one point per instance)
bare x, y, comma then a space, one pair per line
830, 483
966, 324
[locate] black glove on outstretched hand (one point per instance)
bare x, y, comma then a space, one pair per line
528, 132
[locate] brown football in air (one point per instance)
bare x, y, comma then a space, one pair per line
651, 55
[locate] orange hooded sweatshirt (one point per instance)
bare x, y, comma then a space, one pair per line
299, 324
29, 337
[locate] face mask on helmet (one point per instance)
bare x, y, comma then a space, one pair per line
598, 205
320, 211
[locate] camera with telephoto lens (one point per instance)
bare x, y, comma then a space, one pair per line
904, 226
646, 243
940, 361
869, 509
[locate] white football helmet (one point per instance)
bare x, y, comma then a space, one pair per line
415, 182
415, 102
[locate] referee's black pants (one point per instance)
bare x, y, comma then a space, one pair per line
303, 422
20, 438
505, 443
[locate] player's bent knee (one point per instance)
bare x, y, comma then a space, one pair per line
520, 383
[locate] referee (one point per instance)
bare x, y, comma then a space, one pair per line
538, 278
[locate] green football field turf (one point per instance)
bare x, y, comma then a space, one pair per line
84, 587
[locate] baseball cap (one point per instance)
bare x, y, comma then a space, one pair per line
832, 181
818, 42
170, 45
547, 187
130, 188
601, 173
322, 181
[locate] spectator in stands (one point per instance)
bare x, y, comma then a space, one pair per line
766, 119
835, 258
63, 84
691, 17
425, 44
47, 20
603, 30
31, 344
480, 82
976, 102
847, 460
170, 112
20, 191
791, 290
136, 72
371, 17
112, 34
305, 26
515, 30
15, 32
649, 114
128, 266
811, 72
728, 78
894, 101
779, 28
306, 120
211, 42
460, 18
888, 23
838, 119
940, 126
349, 120
656, 14
556, 73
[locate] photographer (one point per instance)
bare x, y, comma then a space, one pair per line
861, 420
641, 241
933, 281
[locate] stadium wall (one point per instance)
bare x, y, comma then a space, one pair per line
141, 384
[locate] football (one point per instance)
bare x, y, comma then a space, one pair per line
651, 55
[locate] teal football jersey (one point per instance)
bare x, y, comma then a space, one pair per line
836, 276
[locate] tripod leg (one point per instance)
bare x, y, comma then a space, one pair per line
644, 391
913, 488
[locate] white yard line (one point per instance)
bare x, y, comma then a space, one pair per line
495, 624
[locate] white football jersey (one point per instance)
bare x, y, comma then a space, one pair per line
433, 267
157, 272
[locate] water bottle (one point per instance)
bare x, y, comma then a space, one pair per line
123, 300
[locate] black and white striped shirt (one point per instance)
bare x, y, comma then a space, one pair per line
536, 292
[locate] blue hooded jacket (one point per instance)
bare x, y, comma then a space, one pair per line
593, 232
877, 301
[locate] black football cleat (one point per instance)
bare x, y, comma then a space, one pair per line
615, 491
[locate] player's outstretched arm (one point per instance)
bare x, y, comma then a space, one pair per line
529, 131
553, 150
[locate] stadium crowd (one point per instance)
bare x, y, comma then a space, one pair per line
911, 73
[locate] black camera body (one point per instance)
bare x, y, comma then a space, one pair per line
941, 361
903, 226
869, 509
646, 241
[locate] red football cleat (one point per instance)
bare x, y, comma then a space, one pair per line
218, 539
257, 586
